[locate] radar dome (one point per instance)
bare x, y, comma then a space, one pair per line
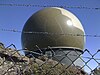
54, 27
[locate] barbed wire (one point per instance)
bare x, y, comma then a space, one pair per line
37, 5
50, 69
48, 33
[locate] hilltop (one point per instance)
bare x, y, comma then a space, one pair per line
13, 63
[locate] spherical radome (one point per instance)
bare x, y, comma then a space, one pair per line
54, 27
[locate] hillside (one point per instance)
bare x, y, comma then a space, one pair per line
13, 63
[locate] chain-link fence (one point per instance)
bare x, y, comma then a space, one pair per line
51, 61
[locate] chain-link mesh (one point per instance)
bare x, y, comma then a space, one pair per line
51, 62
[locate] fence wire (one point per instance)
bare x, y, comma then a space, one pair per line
13, 62
37, 5
48, 33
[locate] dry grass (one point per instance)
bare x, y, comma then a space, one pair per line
51, 67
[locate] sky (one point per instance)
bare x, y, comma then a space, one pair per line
14, 17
